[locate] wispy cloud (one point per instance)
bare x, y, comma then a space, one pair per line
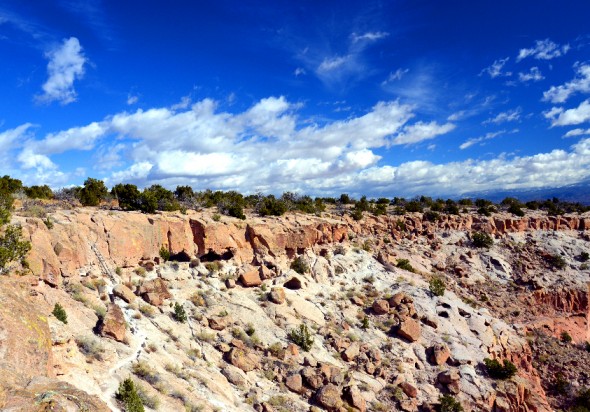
132, 99
66, 64
577, 132
534, 74
394, 76
496, 69
368, 36
543, 50
579, 84
487, 136
300, 71
561, 117
507, 116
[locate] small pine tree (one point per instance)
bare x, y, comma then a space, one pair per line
60, 313
179, 313
449, 404
129, 397
498, 371
164, 254
437, 286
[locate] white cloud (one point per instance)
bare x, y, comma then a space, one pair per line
369, 36
533, 75
422, 131
495, 70
508, 116
561, 117
300, 71
66, 64
577, 132
543, 50
487, 136
580, 84
332, 63
132, 99
393, 76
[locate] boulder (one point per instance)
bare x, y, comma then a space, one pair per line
114, 325
294, 383
123, 292
294, 283
438, 354
250, 279
351, 352
234, 375
328, 397
277, 295
380, 307
409, 389
409, 329
154, 292
240, 358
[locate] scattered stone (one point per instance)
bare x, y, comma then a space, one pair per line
218, 322
230, 283
277, 295
380, 307
250, 279
409, 329
240, 358
154, 292
294, 383
329, 397
353, 396
123, 292
352, 352
438, 354
409, 389
233, 375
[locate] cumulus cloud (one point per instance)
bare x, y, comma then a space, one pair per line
580, 84
487, 136
561, 117
66, 64
421, 131
496, 69
533, 75
508, 116
268, 147
543, 50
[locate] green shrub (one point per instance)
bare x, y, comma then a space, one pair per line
556, 261
93, 192
405, 265
582, 399
432, 216
301, 336
12, 248
356, 214
299, 265
565, 337
584, 256
449, 404
482, 240
127, 395
60, 313
497, 370
437, 286
179, 313
164, 254
145, 372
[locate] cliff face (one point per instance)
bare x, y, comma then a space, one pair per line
127, 238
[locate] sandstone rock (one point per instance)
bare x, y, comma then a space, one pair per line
438, 354
409, 389
351, 352
265, 273
154, 292
448, 376
357, 301
409, 329
294, 383
312, 377
218, 322
234, 375
250, 279
124, 293
230, 283
353, 396
380, 307
294, 283
114, 325
277, 295
240, 358
329, 397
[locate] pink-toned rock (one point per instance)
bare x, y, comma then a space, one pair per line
351, 352
114, 325
250, 279
154, 291
353, 396
409, 389
242, 359
277, 295
438, 354
124, 293
329, 397
294, 383
380, 307
409, 329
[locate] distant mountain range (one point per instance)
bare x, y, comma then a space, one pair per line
574, 193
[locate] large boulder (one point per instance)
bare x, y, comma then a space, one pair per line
409, 329
250, 279
154, 291
328, 397
123, 292
114, 325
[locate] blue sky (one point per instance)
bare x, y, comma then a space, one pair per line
378, 97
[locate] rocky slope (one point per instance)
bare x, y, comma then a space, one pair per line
381, 339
